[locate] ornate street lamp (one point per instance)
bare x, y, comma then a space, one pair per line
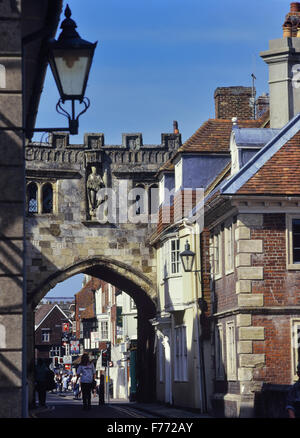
187, 258
70, 59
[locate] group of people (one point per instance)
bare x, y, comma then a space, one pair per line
83, 383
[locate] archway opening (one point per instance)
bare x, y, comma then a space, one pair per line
136, 351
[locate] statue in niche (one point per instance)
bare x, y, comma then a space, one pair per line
94, 184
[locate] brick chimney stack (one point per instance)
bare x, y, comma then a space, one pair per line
175, 127
234, 102
291, 25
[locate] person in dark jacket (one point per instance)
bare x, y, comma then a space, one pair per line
293, 398
41, 380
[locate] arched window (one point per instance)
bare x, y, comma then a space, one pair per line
32, 198
140, 199
47, 197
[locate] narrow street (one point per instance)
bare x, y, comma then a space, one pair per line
65, 406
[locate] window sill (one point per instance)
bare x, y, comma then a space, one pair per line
230, 271
179, 275
293, 267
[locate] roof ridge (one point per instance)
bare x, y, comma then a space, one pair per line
262, 156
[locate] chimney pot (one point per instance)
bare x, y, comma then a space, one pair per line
287, 29
175, 127
295, 7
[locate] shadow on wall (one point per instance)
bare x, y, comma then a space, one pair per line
11, 267
271, 401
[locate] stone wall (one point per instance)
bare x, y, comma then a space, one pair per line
11, 212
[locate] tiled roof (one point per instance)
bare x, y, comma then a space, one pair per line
213, 137
273, 169
41, 312
89, 312
280, 175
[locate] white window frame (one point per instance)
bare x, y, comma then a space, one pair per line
295, 345
231, 367
174, 258
45, 335
219, 352
289, 242
180, 354
102, 331
217, 252
229, 248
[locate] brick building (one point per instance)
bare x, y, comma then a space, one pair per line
251, 213
50, 323
95, 315
247, 252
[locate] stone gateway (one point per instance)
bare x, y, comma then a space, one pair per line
65, 237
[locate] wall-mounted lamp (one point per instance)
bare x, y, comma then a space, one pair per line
70, 58
187, 258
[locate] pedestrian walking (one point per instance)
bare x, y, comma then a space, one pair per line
44, 381
76, 387
65, 382
87, 373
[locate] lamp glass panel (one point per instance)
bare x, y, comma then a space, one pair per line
72, 69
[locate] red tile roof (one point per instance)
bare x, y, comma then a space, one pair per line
42, 311
213, 137
280, 175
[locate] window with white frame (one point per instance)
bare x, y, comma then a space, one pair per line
45, 335
132, 304
230, 350
229, 248
163, 273
219, 352
295, 338
217, 253
104, 329
293, 242
174, 256
180, 353
55, 351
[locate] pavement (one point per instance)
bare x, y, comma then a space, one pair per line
163, 411
157, 410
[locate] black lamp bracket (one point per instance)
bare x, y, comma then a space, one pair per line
73, 121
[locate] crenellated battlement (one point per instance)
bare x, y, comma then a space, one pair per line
131, 152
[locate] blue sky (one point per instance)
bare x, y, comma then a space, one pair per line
161, 60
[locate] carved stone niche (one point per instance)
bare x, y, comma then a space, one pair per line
93, 157
59, 140
171, 141
132, 141
94, 140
